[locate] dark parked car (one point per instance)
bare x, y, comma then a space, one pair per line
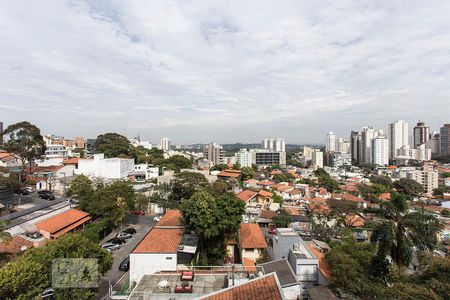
129, 230
47, 196
43, 192
22, 191
125, 264
116, 241
139, 212
34, 235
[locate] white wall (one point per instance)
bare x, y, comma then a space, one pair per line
110, 168
149, 263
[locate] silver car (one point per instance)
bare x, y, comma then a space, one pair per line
111, 246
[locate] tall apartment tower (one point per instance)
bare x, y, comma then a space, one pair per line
367, 135
330, 145
398, 137
421, 134
165, 144
355, 146
380, 150
213, 153
280, 145
445, 140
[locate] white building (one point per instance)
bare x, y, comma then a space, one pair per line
331, 142
56, 151
280, 145
420, 154
317, 158
165, 144
107, 168
147, 171
380, 151
244, 158
341, 159
398, 137
342, 146
367, 135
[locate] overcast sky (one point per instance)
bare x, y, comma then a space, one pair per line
225, 71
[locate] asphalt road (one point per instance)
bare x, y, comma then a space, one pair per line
142, 224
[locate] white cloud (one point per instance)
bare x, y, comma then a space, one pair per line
223, 70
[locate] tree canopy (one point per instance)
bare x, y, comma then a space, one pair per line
29, 275
213, 219
408, 187
282, 219
113, 145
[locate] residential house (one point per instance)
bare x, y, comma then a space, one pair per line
68, 221
107, 168
251, 241
9, 160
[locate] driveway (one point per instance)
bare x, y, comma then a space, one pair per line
142, 224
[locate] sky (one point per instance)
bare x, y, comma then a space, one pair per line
224, 71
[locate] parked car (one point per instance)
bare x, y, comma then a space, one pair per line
272, 231
22, 191
125, 264
116, 241
139, 212
156, 219
124, 235
129, 230
111, 246
43, 192
73, 201
33, 235
47, 196
29, 189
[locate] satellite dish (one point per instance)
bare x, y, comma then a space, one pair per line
23, 248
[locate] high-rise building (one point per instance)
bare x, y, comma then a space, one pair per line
398, 137
367, 135
342, 146
280, 145
433, 143
380, 150
445, 140
355, 146
244, 158
427, 177
421, 134
317, 158
330, 145
165, 144
213, 153
307, 154
268, 157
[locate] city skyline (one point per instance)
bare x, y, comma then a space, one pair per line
223, 72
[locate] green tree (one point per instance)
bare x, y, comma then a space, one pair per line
9, 184
408, 187
440, 190
113, 145
219, 167
4, 235
213, 219
178, 162
283, 177
341, 209
445, 174
401, 230
220, 187
283, 219
185, 185
326, 181
25, 141
383, 180
277, 198
29, 275
81, 187
247, 173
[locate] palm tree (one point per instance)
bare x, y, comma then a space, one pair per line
401, 230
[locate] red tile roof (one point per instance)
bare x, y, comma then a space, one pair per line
251, 236
350, 197
265, 193
246, 195
171, 218
267, 214
385, 196
15, 244
265, 183
160, 240
71, 161
323, 266
261, 288
59, 223
354, 220
249, 264
228, 174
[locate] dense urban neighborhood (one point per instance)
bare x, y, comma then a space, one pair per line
360, 217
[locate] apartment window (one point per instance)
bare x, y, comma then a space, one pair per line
168, 258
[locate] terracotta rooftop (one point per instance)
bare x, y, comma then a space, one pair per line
323, 266
265, 193
71, 161
354, 220
246, 195
160, 240
64, 222
249, 264
267, 214
14, 245
350, 197
251, 236
171, 218
385, 196
228, 174
262, 288
265, 183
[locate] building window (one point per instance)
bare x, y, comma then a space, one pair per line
168, 258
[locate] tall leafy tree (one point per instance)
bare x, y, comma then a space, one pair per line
282, 219
185, 185
82, 187
24, 140
113, 145
401, 230
247, 173
213, 219
408, 187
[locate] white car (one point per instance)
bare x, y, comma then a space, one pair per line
111, 247
156, 219
124, 235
